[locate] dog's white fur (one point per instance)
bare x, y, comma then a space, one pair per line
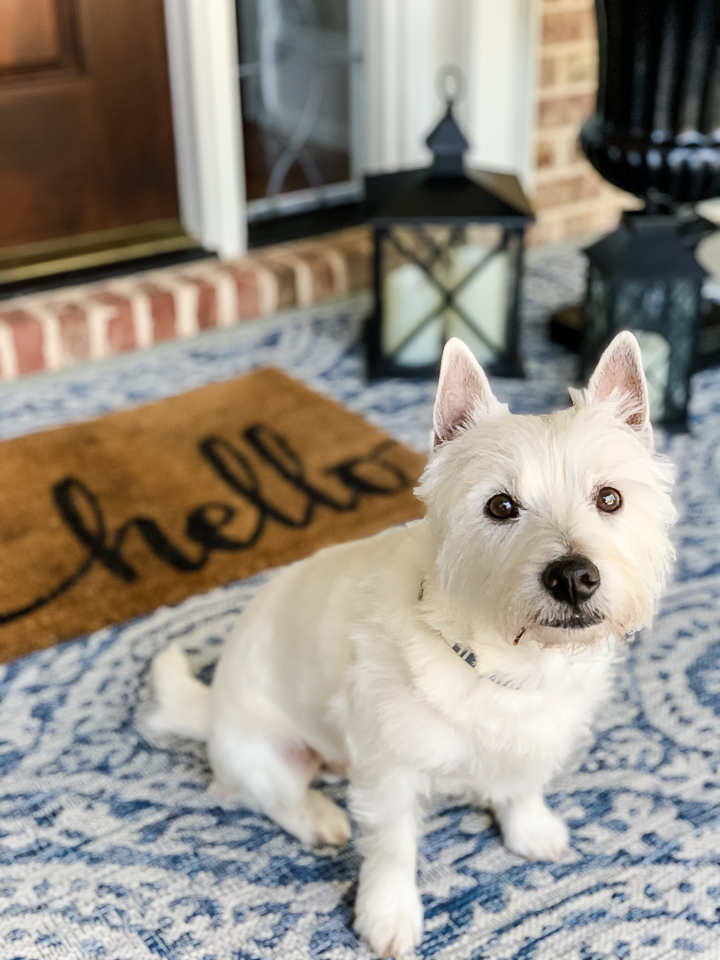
346, 658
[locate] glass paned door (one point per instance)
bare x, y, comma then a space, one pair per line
300, 89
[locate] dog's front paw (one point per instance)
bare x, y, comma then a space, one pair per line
329, 823
530, 828
389, 914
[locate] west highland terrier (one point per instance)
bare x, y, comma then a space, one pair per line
465, 652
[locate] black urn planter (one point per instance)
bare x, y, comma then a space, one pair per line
656, 129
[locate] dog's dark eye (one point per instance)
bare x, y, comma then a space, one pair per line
502, 507
608, 500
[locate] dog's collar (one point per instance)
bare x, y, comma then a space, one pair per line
470, 658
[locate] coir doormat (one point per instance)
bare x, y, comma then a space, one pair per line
105, 520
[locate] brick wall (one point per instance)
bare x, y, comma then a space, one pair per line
59, 328
570, 198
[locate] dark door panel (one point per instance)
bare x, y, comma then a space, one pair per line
86, 139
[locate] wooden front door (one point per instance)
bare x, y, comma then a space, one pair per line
86, 142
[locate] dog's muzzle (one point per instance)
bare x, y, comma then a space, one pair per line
572, 580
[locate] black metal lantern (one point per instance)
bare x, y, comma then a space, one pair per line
448, 262
645, 278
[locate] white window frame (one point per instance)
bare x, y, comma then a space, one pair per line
494, 42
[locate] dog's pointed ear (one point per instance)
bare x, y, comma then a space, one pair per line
619, 373
463, 395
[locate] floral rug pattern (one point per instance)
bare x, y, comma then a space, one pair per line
111, 847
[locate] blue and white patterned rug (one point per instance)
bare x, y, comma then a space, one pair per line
110, 846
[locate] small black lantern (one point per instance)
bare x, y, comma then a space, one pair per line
645, 278
448, 261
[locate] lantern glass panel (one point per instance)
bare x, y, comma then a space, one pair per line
655, 351
661, 315
480, 274
643, 301
596, 316
412, 297
440, 282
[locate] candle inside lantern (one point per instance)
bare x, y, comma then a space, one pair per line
483, 298
655, 351
408, 297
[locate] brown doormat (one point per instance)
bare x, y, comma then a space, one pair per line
105, 520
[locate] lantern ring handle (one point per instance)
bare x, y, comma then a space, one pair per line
451, 84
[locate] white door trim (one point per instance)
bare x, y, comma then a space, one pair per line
205, 92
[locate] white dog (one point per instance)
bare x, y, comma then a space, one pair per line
465, 651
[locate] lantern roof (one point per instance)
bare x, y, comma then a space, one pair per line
646, 247
416, 196
446, 192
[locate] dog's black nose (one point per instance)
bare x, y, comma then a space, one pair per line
571, 579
